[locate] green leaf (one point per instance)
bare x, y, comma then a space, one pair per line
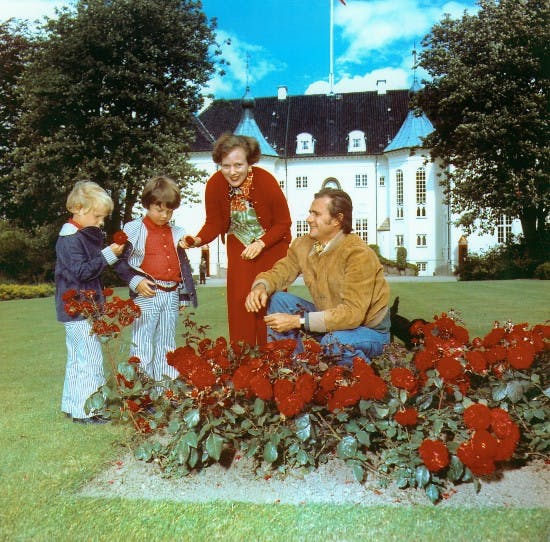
192, 417
432, 492
270, 452
303, 427
357, 469
259, 406
182, 452
238, 409
422, 475
94, 403
347, 447
144, 451
213, 445
514, 391
363, 437
173, 427
193, 457
499, 393
191, 439
456, 468
302, 458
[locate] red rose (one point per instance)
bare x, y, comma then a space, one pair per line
262, 387
484, 445
434, 454
477, 416
476, 361
522, 356
120, 238
449, 368
424, 360
408, 416
403, 378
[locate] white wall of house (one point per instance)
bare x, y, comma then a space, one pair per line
302, 177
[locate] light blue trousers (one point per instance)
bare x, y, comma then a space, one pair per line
84, 368
341, 346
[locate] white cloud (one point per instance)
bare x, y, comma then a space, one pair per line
377, 26
260, 64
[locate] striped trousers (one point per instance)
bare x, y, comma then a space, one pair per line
84, 370
154, 333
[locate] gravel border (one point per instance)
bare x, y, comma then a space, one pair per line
332, 483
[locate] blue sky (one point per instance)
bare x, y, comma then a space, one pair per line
286, 42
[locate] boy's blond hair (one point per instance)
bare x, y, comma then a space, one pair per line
89, 196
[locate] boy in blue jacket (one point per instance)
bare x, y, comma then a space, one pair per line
79, 264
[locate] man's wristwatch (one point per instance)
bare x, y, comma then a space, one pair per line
302, 322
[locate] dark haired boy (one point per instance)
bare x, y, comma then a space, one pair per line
159, 276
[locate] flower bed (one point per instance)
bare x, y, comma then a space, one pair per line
452, 411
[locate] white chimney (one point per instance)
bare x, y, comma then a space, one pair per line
381, 86
282, 93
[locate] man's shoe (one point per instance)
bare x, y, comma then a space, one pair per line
95, 420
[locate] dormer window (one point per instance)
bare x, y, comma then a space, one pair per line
305, 144
357, 142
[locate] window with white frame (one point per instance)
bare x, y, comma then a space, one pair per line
282, 184
421, 240
301, 182
399, 193
360, 180
399, 240
301, 228
422, 266
382, 181
357, 141
421, 192
361, 228
504, 229
305, 144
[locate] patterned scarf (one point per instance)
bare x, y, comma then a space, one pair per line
239, 195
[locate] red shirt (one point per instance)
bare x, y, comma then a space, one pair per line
161, 260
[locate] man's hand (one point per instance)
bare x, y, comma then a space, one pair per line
282, 322
145, 288
256, 299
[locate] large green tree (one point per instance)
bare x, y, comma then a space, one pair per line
110, 96
488, 101
15, 47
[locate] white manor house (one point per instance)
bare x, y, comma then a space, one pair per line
366, 143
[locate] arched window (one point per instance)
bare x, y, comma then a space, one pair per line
399, 194
305, 144
421, 192
331, 182
357, 142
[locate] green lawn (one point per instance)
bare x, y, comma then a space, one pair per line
46, 458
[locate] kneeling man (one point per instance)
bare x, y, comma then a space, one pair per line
349, 314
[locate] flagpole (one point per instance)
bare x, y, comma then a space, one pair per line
331, 46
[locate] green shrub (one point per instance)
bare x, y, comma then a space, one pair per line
542, 271
401, 258
503, 262
25, 291
27, 257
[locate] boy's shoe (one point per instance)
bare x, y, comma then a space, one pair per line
92, 420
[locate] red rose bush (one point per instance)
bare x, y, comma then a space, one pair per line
452, 411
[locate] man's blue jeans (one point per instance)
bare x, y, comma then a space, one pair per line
342, 346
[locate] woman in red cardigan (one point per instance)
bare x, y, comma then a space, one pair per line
246, 203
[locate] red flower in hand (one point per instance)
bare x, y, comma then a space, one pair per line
120, 238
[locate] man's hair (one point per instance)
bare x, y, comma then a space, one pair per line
228, 141
340, 204
89, 196
161, 190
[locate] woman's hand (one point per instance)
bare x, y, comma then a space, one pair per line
189, 241
253, 250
